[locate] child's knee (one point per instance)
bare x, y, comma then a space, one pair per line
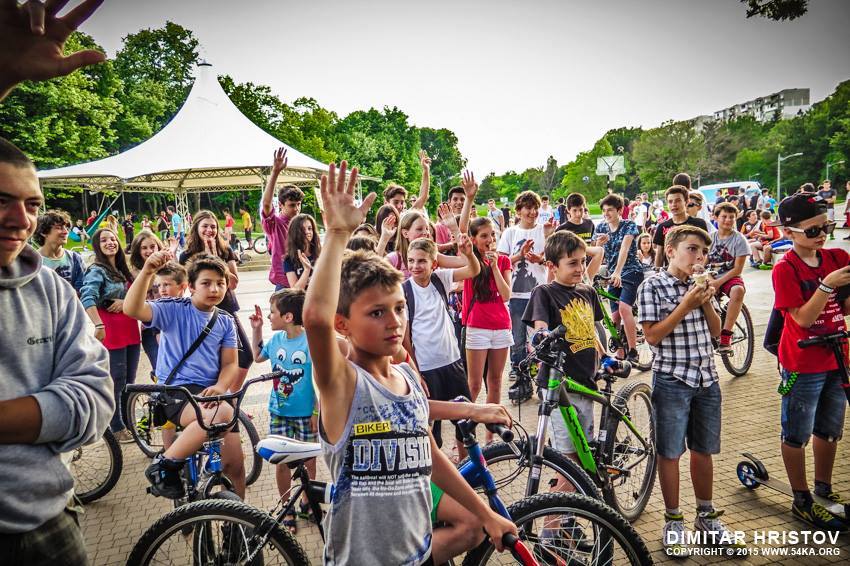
737, 293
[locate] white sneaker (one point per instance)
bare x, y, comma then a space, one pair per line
721, 535
674, 535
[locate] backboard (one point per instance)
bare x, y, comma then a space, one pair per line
611, 165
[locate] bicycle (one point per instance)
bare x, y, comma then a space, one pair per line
149, 437
616, 339
743, 341
95, 467
620, 462
261, 539
203, 470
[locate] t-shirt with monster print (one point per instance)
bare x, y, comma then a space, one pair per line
293, 394
525, 275
577, 308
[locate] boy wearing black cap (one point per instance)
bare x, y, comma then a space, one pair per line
805, 281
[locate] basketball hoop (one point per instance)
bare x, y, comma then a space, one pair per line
611, 166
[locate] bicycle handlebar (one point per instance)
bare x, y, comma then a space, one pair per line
806, 342
519, 550
504, 432
195, 400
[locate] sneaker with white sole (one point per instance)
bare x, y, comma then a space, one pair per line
674, 535
719, 534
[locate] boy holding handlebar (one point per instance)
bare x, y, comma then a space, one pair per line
209, 371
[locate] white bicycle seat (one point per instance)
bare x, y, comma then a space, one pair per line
282, 450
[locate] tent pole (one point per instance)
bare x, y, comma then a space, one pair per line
182, 202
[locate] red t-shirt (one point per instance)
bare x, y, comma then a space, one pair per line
228, 223
492, 315
771, 233
794, 283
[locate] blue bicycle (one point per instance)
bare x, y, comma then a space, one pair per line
554, 528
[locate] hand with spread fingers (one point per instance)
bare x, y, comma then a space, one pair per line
32, 40
341, 212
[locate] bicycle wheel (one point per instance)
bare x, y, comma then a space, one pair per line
96, 468
632, 471
739, 360
506, 466
261, 245
645, 354
567, 528
231, 533
138, 417
249, 437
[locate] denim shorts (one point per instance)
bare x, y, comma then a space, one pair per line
684, 413
627, 291
815, 405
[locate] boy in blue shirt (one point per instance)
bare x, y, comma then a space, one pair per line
292, 403
209, 371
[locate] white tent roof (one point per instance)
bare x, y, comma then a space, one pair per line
208, 146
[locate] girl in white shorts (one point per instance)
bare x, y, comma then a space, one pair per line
485, 316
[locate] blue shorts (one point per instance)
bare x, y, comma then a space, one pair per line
815, 405
627, 291
684, 413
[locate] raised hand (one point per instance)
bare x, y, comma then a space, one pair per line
424, 160
464, 245
447, 217
280, 160
157, 260
341, 213
256, 319
470, 187
388, 226
549, 226
210, 247
32, 40
527, 246
305, 261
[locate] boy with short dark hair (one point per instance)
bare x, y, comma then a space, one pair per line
276, 225
728, 254
677, 202
584, 228
524, 243
170, 280
292, 402
569, 302
679, 322
805, 281
209, 371
430, 334
369, 408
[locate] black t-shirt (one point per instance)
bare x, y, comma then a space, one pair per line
506, 214
824, 194
664, 227
577, 308
584, 230
228, 303
562, 212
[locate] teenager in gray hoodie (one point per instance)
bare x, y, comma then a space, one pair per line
55, 389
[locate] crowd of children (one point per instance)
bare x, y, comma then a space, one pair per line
377, 324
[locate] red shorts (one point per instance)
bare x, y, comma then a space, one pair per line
726, 288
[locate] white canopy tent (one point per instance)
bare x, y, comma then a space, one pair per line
209, 146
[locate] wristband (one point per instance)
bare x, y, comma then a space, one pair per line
826, 288
100, 326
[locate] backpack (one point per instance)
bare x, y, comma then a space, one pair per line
776, 324
407, 287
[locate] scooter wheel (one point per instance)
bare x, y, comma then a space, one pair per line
747, 474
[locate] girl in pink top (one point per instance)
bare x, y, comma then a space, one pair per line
485, 316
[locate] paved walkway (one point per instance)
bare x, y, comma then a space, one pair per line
750, 424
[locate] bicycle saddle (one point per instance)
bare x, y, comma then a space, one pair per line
280, 449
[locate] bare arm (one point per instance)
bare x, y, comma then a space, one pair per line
333, 375
257, 334
472, 267
425, 185
470, 189
451, 261
624, 253
503, 278
135, 305
736, 271
659, 256
228, 377
712, 318
278, 165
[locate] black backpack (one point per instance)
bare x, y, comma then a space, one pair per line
776, 322
407, 287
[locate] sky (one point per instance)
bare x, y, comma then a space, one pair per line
517, 81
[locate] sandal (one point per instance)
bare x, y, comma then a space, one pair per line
305, 512
289, 523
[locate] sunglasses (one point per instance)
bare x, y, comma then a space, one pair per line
693, 204
814, 231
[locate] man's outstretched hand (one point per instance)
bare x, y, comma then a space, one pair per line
32, 38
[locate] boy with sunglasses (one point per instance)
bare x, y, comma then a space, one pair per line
806, 281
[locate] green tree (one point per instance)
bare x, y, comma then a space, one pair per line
778, 10
662, 152
446, 162
580, 175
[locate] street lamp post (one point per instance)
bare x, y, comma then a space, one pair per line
753, 176
779, 160
828, 165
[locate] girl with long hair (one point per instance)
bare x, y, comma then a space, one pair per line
412, 226
206, 238
142, 247
104, 288
486, 319
302, 251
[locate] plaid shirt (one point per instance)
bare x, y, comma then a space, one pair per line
687, 352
